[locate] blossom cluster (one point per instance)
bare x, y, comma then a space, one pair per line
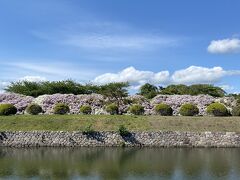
97, 102
74, 102
19, 101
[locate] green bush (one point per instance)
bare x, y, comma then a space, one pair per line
61, 108
189, 110
236, 111
136, 109
7, 109
34, 109
217, 109
85, 109
123, 131
163, 109
88, 130
112, 109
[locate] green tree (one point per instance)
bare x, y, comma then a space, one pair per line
195, 89
180, 89
206, 89
39, 88
115, 91
148, 91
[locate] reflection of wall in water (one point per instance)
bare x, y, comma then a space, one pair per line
117, 162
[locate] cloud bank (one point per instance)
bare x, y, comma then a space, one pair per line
100, 36
133, 76
190, 75
224, 46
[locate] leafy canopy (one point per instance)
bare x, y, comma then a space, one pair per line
148, 91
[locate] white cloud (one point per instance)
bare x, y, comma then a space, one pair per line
39, 68
108, 35
226, 87
52, 69
190, 75
196, 74
120, 41
133, 76
3, 85
33, 78
224, 46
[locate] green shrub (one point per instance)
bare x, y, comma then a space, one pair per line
236, 111
123, 131
88, 130
7, 109
163, 109
112, 109
34, 109
189, 110
136, 109
217, 109
85, 109
61, 108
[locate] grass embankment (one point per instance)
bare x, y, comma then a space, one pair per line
109, 123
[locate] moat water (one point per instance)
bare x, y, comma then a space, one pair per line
119, 163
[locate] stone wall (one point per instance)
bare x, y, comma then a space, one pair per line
151, 139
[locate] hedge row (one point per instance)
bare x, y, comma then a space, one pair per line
214, 109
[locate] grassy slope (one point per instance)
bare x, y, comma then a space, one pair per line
107, 122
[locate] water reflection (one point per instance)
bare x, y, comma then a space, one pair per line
119, 163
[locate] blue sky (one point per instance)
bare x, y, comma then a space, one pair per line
156, 41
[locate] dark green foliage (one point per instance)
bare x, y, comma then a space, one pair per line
180, 89
33, 109
206, 89
236, 111
163, 109
61, 108
85, 109
193, 90
217, 109
123, 131
115, 92
148, 91
136, 109
189, 110
40, 88
7, 109
112, 109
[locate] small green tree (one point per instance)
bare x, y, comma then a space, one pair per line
115, 92
149, 91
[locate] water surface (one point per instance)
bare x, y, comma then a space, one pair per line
119, 163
